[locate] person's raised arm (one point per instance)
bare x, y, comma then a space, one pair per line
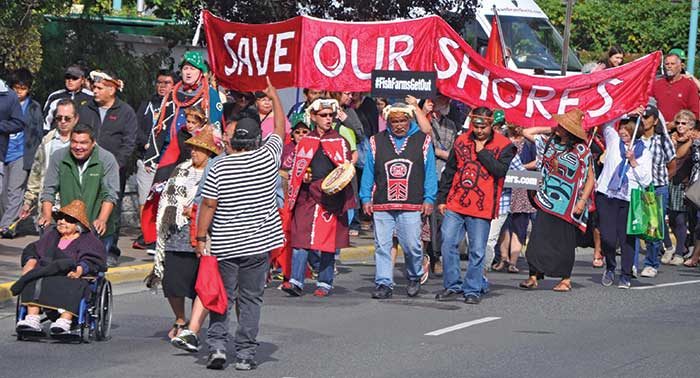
279, 119
421, 118
531, 132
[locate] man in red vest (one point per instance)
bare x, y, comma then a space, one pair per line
470, 189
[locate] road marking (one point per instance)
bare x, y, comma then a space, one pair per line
459, 326
665, 285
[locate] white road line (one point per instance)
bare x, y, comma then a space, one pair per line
459, 326
665, 285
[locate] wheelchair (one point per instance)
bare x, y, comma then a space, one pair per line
94, 321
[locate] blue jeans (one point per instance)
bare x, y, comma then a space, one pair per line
654, 248
408, 227
453, 229
325, 271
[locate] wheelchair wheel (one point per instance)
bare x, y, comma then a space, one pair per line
104, 312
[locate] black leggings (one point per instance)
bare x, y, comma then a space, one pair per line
612, 214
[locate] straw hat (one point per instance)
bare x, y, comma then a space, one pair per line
205, 139
76, 209
571, 121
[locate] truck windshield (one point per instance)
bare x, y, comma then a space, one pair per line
534, 43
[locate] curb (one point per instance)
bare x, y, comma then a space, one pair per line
133, 273
116, 275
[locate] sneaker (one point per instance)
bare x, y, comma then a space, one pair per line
321, 293
624, 283
216, 360
186, 340
60, 326
151, 252
292, 289
676, 261
112, 260
447, 295
245, 364
413, 288
471, 299
382, 292
666, 258
30, 323
608, 278
634, 272
649, 272
8, 233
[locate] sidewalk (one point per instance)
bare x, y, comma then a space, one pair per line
135, 264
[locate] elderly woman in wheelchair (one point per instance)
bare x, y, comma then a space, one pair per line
52, 268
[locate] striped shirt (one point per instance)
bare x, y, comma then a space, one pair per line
246, 221
662, 152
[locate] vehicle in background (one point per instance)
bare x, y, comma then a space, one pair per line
530, 39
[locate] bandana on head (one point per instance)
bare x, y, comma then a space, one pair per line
99, 76
398, 108
322, 103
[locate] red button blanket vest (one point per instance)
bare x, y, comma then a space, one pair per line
474, 190
319, 221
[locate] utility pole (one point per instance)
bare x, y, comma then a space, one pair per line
567, 35
692, 36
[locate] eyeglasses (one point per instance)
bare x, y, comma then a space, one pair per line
67, 218
684, 123
160, 82
325, 115
64, 118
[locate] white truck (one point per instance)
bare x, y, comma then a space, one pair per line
530, 39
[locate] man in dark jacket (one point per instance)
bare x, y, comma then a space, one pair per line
11, 121
74, 90
115, 125
20, 150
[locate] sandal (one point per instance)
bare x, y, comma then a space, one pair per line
513, 269
690, 264
562, 287
528, 284
598, 262
500, 267
177, 328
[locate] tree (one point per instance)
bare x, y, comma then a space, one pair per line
455, 12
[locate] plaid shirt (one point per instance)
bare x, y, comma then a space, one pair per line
504, 204
662, 152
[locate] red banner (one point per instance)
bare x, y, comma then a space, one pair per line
339, 56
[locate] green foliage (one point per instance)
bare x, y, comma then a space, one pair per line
638, 26
79, 41
20, 48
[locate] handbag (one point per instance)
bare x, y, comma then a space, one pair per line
692, 194
209, 285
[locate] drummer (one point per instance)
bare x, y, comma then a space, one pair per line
319, 220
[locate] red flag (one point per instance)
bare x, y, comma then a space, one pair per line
494, 51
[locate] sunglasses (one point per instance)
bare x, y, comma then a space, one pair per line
325, 115
64, 118
65, 217
71, 77
301, 131
684, 123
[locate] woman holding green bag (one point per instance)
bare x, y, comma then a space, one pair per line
627, 166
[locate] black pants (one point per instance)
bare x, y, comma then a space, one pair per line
613, 232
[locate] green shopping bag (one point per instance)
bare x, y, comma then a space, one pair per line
654, 214
637, 220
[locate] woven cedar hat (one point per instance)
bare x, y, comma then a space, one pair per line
205, 139
571, 121
76, 209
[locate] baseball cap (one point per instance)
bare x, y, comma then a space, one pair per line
74, 71
677, 52
651, 110
247, 129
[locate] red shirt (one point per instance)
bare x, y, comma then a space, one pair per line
676, 96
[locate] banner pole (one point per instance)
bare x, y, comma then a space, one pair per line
567, 35
500, 36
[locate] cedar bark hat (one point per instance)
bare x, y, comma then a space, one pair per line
571, 121
205, 139
75, 209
